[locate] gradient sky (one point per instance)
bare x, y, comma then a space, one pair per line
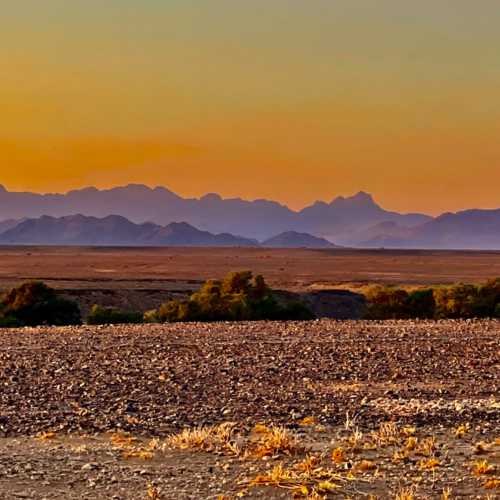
293, 100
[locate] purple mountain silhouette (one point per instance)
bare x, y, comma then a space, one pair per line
113, 230
259, 219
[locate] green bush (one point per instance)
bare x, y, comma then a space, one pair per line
496, 313
9, 322
111, 316
455, 301
238, 297
488, 299
421, 303
151, 316
34, 303
386, 303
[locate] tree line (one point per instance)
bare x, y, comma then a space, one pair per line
241, 296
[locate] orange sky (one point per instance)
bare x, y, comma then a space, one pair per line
283, 99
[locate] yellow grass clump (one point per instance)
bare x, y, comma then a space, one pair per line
386, 434
121, 440
461, 430
365, 465
429, 463
153, 492
492, 484
338, 456
446, 494
405, 494
483, 467
46, 436
308, 421
426, 447
209, 439
275, 441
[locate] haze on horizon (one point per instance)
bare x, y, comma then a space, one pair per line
280, 99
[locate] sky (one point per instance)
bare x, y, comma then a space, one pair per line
292, 100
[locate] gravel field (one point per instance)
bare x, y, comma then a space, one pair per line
150, 381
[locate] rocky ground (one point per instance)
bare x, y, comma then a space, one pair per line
86, 412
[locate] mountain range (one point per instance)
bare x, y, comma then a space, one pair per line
149, 216
113, 230
260, 219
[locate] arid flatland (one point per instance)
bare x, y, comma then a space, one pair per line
75, 267
153, 380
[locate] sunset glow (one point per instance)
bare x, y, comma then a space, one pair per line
282, 99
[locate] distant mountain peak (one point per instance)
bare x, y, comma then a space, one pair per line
142, 188
294, 239
211, 197
363, 196
359, 199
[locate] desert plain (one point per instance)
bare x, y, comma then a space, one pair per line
319, 409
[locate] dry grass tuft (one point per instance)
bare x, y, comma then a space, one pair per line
400, 456
408, 431
355, 439
461, 430
139, 453
209, 439
387, 434
279, 477
483, 467
309, 464
338, 456
261, 429
308, 421
153, 492
122, 440
446, 494
306, 479
365, 465
46, 436
492, 484
429, 463
275, 441
405, 494
427, 447
411, 443
131, 447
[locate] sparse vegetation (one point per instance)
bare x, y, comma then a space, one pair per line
111, 316
219, 438
442, 302
286, 440
34, 303
238, 297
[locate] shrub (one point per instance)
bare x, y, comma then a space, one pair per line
111, 316
34, 303
488, 299
9, 322
457, 301
421, 303
387, 303
496, 313
151, 316
238, 297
